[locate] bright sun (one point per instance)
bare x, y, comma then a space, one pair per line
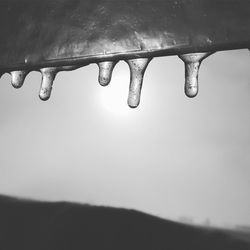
113, 97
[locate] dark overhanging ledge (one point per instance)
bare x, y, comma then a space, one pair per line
55, 35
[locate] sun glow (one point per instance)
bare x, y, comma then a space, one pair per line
113, 98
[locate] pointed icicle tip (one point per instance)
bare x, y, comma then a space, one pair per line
137, 70
192, 64
18, 77
105, 72
48, 76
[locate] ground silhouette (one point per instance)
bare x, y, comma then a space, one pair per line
34, 225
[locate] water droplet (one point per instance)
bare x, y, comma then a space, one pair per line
68, 68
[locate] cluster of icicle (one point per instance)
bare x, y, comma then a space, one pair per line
137, 69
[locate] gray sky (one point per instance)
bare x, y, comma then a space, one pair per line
173, 156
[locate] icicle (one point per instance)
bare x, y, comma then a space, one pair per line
48, 76
105, 72
192, 64
137, 70
17, 78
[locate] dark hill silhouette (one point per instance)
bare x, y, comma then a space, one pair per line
33, 225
